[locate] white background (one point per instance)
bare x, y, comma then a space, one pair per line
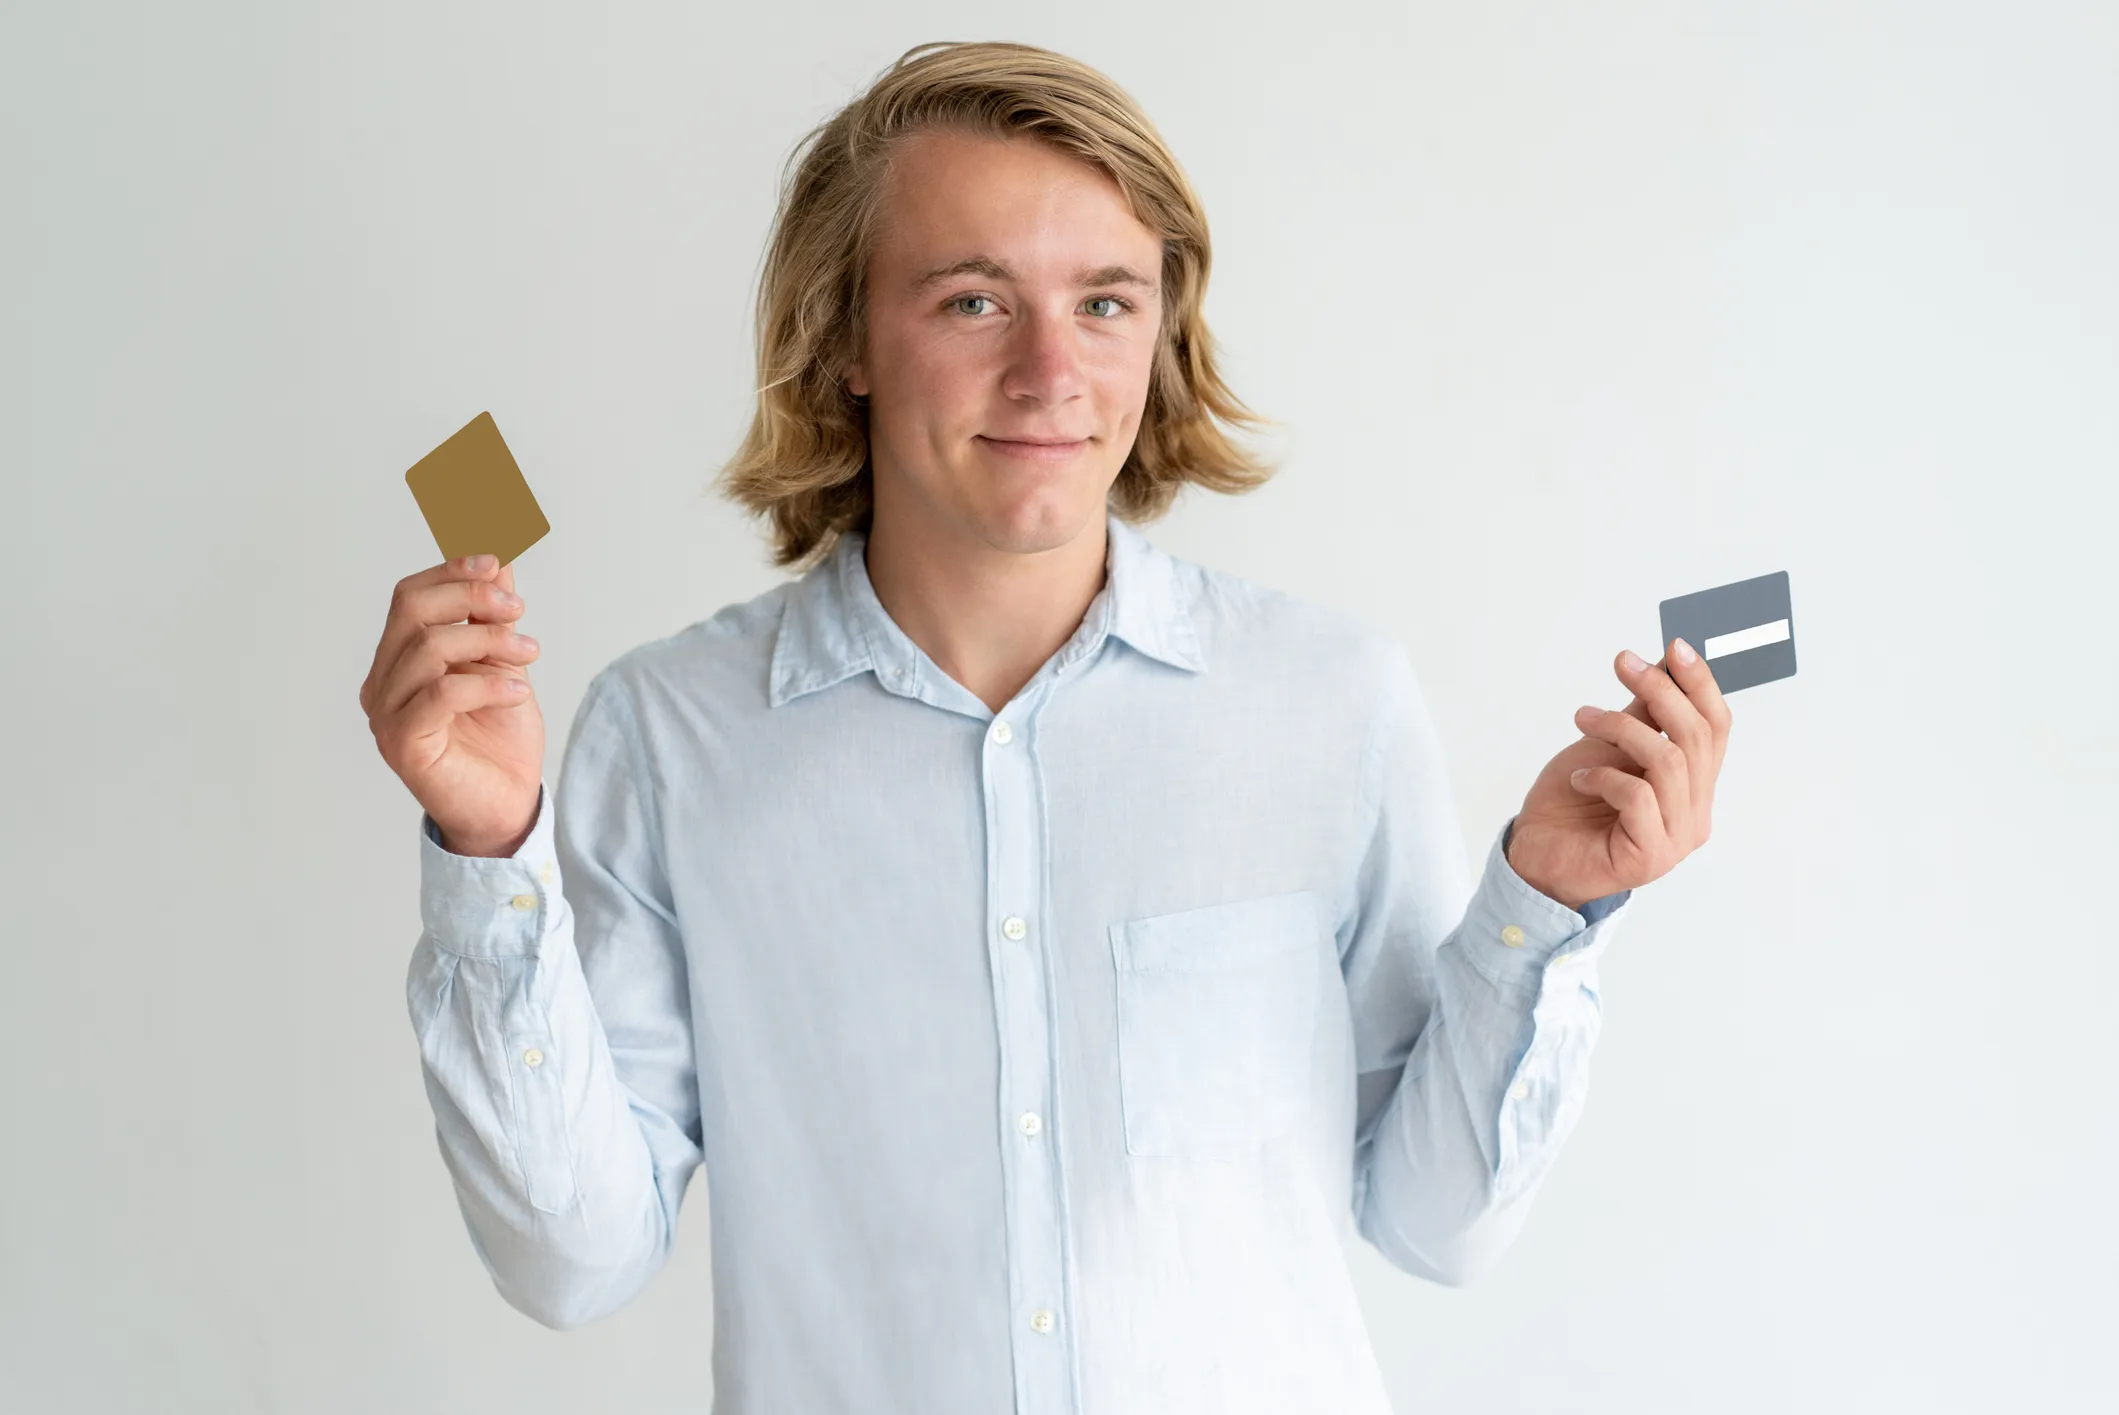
1565, 308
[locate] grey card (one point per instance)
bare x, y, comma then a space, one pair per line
1745, 631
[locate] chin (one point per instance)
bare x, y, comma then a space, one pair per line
1038, 523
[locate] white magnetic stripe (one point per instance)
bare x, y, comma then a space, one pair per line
1755, 637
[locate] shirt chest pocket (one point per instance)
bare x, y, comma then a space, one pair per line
1216, 1010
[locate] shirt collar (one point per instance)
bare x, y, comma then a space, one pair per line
835, 627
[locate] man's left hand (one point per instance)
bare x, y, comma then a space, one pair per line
1632, 798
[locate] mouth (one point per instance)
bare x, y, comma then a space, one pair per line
1035, 450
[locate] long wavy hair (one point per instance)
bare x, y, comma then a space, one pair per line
804, 463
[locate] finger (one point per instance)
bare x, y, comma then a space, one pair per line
439, 594
449, 593
1638, 708
1662, 759
439, 648
504, 604
504, 583
464, 568
1669, 709
1691, 673
1640, 813
439, 703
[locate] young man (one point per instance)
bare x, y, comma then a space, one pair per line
1046, 945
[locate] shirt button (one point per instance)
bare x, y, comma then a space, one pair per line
1041, 1320
1512, 936
1014, 927
1003, 733
1521, 1089
524, 901
1559, 958
1030, 1123
533, 1057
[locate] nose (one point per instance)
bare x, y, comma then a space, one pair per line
1044, 359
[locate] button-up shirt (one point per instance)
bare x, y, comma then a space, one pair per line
1038, 1060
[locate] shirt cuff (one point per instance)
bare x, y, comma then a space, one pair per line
1512, 932
479, 906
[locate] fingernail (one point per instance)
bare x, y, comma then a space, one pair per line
1682, 651
1577, 774
526, 641
1631, 661
480, 564
510, 601
1589, 711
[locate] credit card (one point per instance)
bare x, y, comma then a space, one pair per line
474, 496
1745, 631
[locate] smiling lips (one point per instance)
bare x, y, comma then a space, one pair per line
1035, 451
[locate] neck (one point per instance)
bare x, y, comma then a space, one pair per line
988, 618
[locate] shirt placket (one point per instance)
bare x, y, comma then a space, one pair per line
1041, 1318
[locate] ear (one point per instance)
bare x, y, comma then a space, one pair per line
856, 380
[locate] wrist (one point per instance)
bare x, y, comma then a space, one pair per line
473, 849
1535, 878
490, 847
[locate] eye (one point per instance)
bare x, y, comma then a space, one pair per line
1123, 304
961, 299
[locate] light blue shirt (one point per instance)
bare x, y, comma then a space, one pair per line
1038, 1060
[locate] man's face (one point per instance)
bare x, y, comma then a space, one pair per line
1013, 300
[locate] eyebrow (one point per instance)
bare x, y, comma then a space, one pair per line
994, 270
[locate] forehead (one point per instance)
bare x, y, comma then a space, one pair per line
949, 194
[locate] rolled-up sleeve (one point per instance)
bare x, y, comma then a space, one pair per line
548, 996
1475, 1010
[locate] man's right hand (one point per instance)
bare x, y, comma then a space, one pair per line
451, 706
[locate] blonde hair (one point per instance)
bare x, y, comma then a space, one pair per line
804, 463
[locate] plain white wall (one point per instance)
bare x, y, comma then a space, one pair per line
1566, 308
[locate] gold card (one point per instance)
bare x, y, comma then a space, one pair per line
474, 497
